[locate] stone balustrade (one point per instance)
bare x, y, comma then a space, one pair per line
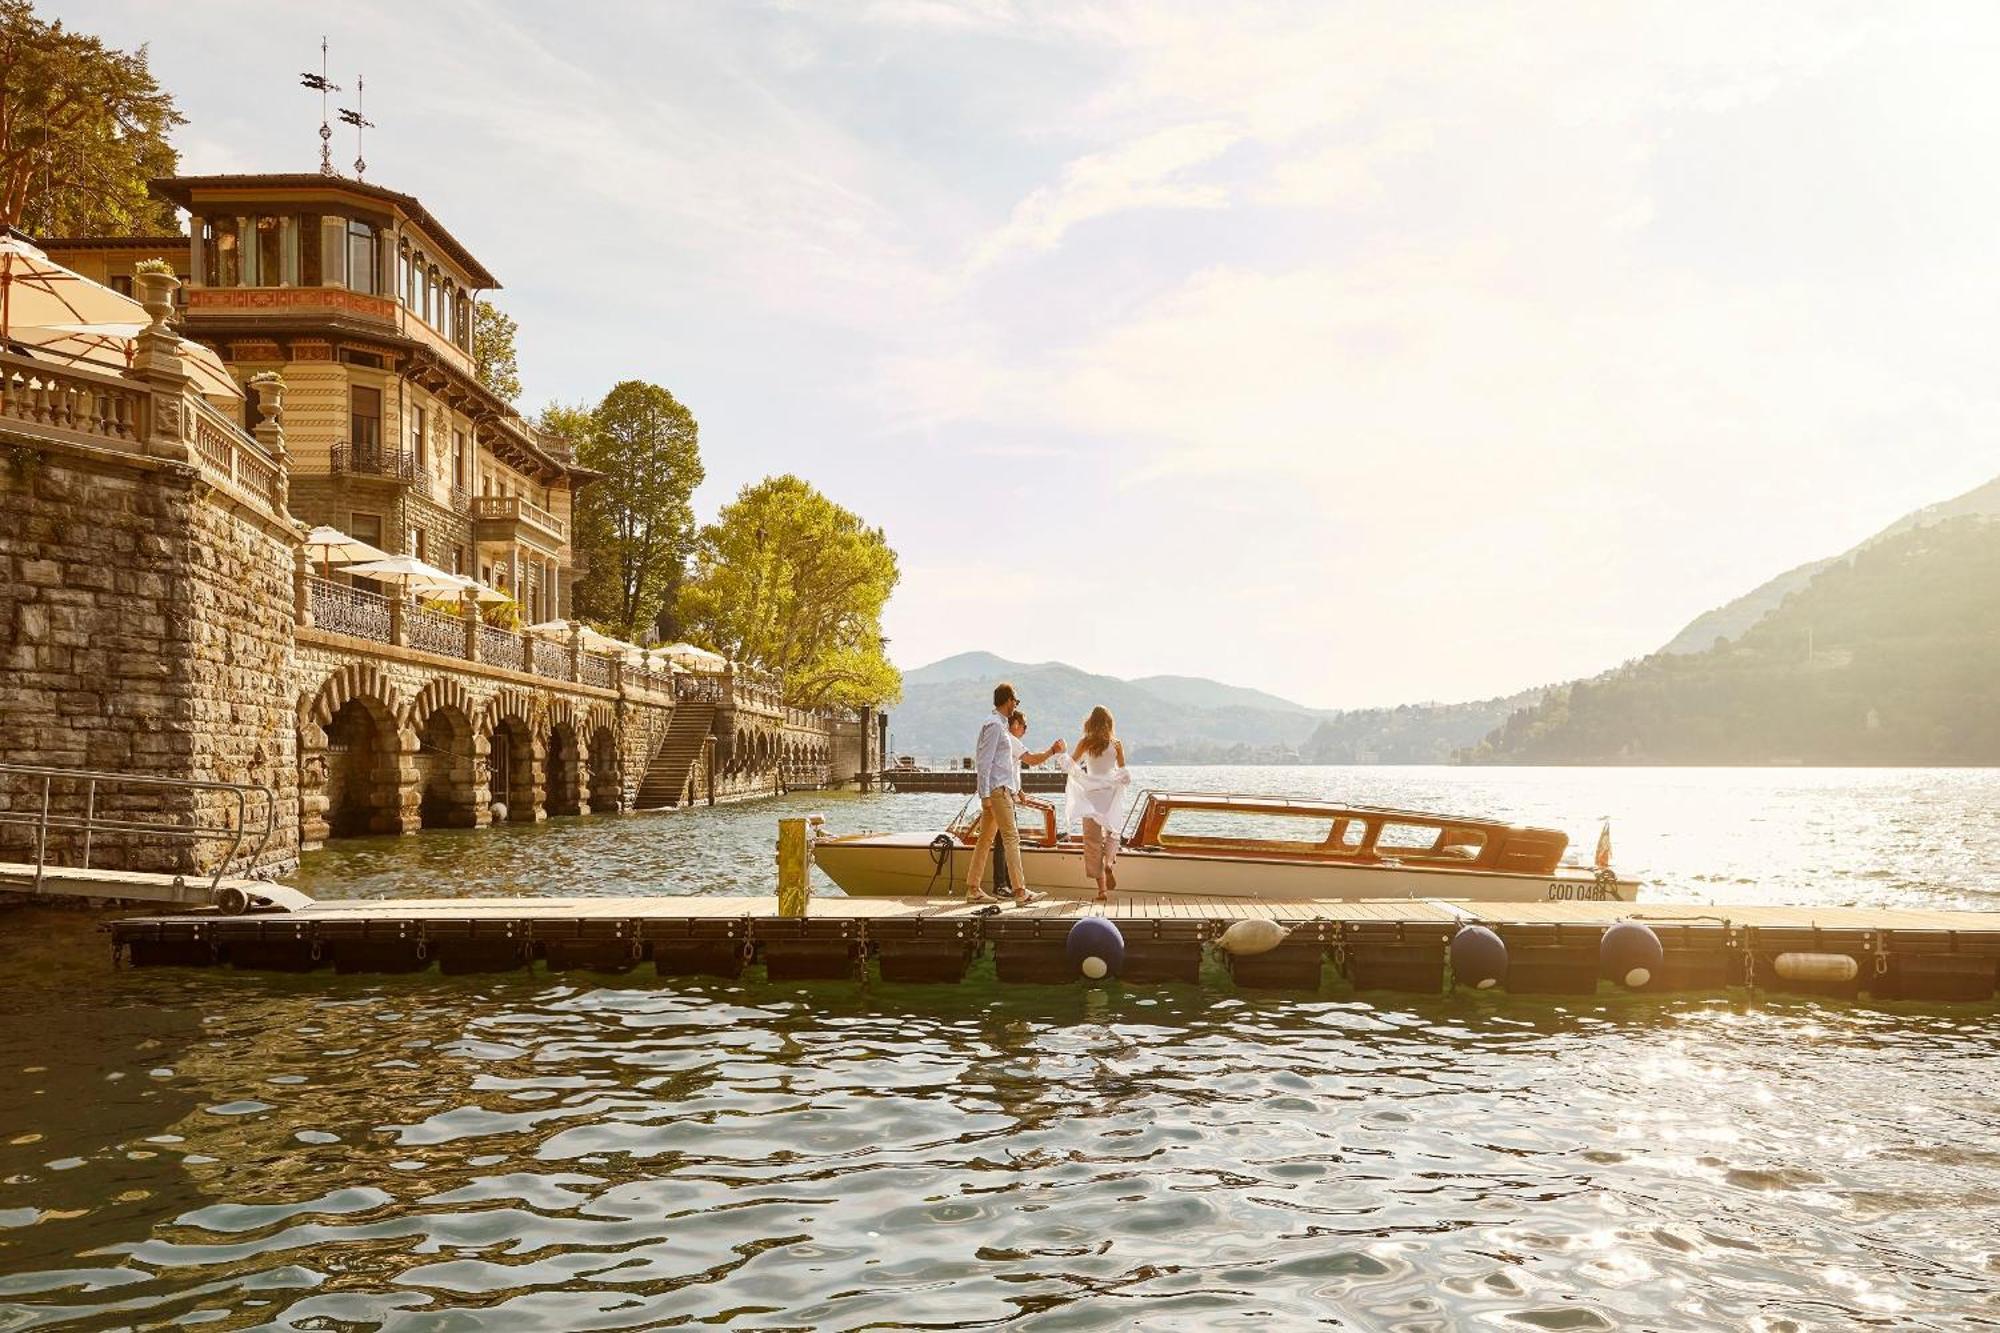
82, 405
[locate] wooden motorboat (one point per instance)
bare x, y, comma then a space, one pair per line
1202, 845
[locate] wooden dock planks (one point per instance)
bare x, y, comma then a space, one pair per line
1397, 944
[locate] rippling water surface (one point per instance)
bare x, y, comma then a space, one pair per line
222, 1150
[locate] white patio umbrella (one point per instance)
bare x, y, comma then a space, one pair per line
411, 575
483, 593
688, 654
112, 347
35, 290
330, 546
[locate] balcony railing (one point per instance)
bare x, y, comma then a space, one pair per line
434, 632
500, 647
79, 404
227, 454
365, 459
344, 610
514, 509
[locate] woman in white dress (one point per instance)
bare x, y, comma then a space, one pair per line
1097, 777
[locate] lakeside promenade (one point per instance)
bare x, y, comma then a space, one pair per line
162, 618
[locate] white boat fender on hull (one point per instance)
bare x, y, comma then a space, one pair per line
1097, 947
1817, 966
1630, 953
1478, 958
1255, 936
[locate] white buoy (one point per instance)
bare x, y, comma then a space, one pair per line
499, 809
1817, 966
1257, 935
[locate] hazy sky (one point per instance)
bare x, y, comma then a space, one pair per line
1364, 353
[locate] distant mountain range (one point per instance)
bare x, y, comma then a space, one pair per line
1732, 619
1885, 653
1168, 719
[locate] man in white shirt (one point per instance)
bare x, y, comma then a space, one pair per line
997, 773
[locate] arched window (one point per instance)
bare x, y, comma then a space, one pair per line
403, 270
464, 338
447, 307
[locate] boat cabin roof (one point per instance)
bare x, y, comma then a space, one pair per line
1351, 833
1286, 805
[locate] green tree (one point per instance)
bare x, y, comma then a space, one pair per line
83, 128
493, 358
635, 524
790, 581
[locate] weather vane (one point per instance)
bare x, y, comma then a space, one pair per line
359, 122
319, 84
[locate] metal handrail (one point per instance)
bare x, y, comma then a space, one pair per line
91, 824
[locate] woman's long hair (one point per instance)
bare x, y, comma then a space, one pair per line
1096, 732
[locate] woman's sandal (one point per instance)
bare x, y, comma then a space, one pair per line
979, 896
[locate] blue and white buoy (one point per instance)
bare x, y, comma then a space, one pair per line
1631, 954
1478, 958
1096, 947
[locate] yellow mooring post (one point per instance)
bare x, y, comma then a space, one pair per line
793, 881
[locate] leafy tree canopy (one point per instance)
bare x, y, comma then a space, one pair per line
83, 127
790, 581
635, 525
493, 358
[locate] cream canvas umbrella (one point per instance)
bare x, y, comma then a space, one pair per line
35, 291
410, 574
483, 593
701, 659
331, 546
112, 347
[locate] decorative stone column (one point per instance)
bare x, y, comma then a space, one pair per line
576, 650
470, 606
302, 587
399, 633
156, 358
269, 388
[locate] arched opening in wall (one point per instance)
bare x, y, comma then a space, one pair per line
445, 770
607, 784
510, 759
565, 777
362, 777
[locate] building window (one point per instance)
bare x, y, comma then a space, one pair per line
366, 527
458, 559
422, 433
364, 420
270, 252
309, 266
121, 283
422, 546
222, 255
458, 459
360, 256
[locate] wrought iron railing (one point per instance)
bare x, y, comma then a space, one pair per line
551, 659
434, 631
364, 458
499, 647
47, 800
347, 610
596, 670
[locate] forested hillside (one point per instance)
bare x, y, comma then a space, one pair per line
1889, 656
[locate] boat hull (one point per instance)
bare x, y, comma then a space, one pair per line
888, 865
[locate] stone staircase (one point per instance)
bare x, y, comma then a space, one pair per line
666, 780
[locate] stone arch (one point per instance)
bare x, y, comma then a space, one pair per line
441, 692
356, 680
449, 756
564, 762
516, 746
356, 774
604, 770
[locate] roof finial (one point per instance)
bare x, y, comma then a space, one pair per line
318, 83
360, 123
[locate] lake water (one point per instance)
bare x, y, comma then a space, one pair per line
217, 1150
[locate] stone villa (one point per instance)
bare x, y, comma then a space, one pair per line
158, 615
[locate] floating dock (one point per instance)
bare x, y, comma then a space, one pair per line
1551, 948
